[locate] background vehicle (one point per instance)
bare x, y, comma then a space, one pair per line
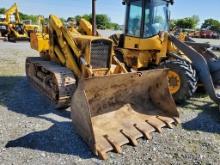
3, 26
146, 44
205, 33
29, 27
14, 29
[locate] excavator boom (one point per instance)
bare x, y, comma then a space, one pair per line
6, 21
12, 10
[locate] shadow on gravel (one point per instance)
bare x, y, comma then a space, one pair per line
206, 121
21, 98
59, 138
6, 85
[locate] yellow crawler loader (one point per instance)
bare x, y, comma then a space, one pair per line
147, 44
109, 106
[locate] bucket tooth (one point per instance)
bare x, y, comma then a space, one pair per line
169, 121
156, 123
103, 147
102, 155
116, 146
145, 129
111, 111
131, 136
177, 120
108, 138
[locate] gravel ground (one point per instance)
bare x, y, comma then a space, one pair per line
107, 33
32, 132
211, 41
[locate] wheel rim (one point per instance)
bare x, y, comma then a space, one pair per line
174, 82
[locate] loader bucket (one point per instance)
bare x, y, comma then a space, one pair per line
111, 111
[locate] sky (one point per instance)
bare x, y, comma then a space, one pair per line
113, 8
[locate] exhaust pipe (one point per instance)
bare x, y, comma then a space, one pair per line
94, 17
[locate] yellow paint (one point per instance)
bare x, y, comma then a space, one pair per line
73, 50
174, 82
40, 42
140, 52
31, 28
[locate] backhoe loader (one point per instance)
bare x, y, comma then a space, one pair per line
15, 30
109, 106
147, 44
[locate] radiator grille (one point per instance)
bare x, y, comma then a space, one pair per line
100, 54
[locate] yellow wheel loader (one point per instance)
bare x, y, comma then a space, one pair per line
109, 106
147, 44
29, 27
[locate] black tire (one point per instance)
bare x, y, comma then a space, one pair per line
11, 38
188, 79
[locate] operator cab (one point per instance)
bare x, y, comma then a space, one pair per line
19, 27
2, 18
146, 18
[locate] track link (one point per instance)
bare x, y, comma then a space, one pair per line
56, 82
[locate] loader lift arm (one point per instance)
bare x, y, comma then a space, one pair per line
208, 69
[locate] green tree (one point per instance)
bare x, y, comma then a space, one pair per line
115, 26
188, 22
172, 24
195, 19
2, 10
33, 18
211, 24
102, 21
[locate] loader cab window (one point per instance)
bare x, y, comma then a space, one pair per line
2, 18
156, 18
146, 18
134, 18
19, 28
